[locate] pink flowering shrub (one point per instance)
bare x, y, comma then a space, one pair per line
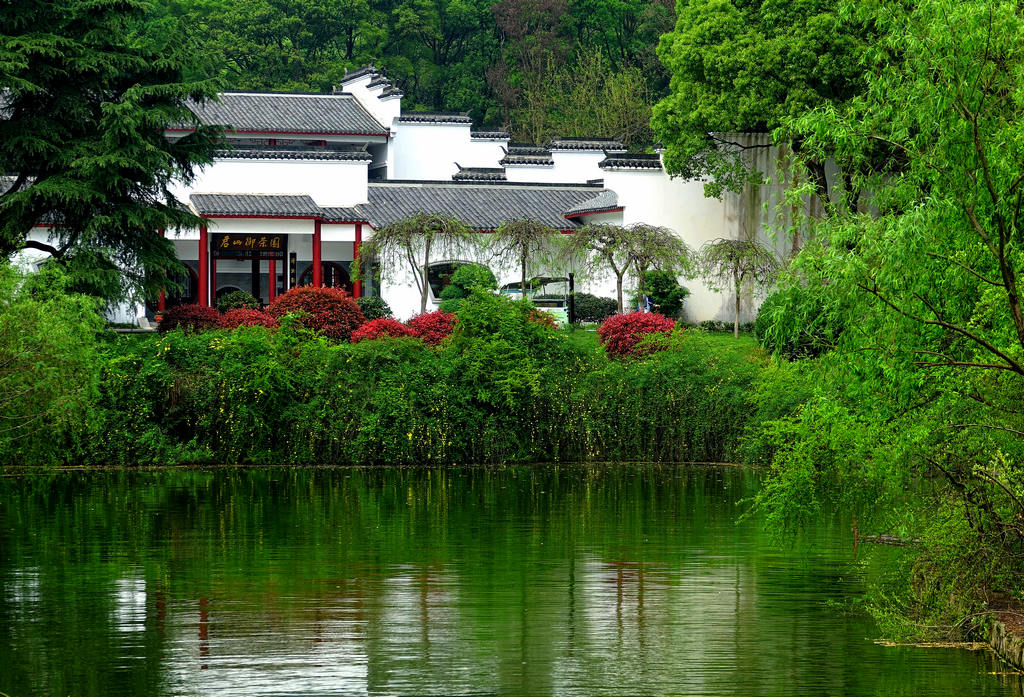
380, 329
433, 327
245, 317
191, 318
620, 334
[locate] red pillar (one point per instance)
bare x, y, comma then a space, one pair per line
204, 268
317, 268
272, 274
357, 287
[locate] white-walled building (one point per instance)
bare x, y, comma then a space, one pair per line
304, 179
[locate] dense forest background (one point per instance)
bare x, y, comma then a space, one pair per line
536, 67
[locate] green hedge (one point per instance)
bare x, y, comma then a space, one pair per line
502, 389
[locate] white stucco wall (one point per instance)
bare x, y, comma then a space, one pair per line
429, 151
383, 109
484, 153
577, 166
531, 173
328, 182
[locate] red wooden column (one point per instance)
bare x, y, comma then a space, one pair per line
204, 267
161, 300
317, 268
357, 287
272, 273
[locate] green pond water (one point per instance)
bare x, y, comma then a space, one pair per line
512, 581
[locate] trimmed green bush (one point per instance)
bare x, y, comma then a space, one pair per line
590, 308
238, 300
374, 307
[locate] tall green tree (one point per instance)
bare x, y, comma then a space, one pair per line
87, 95
930, 365
742, 66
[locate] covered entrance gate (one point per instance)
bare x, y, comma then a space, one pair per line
266, 244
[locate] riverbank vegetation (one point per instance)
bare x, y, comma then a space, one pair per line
504, 387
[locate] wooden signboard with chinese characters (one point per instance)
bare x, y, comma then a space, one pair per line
238, 245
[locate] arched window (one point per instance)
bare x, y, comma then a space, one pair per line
334, 276
439, 275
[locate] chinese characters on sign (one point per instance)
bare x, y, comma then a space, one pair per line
249, 246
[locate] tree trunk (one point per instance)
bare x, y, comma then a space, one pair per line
522, 261
426, 277
618, 291
736, 314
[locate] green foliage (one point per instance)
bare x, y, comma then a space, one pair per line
746, 67
238, 300
469, 277
665, 292
502, 388
916, 425
48, 367
462, 283
590, 308
374, 307
794, 322
88, 94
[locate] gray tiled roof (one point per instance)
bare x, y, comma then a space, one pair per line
344, 215
359, 72
392, 92
484, 206
631, 161
273, 205
489, 135
479, 173
526, 155
322, 114
609, 144
606, 200
434, 117
294, 153
481, 205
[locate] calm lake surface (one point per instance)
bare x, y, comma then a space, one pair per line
512, 581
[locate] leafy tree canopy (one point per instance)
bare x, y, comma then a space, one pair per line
87, 95
931, 357
747, 66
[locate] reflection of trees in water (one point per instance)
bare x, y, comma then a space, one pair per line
385, 580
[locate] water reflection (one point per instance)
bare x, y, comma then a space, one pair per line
524, 581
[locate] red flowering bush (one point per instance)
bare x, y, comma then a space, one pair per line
329, 311
191, 318
620, 334
433, 327
545, 318
243, 317
379, 329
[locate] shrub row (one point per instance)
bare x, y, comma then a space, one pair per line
328, 311
503, 388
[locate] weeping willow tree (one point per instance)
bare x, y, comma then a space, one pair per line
522, 241
637, 248
737, 263
414, 242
